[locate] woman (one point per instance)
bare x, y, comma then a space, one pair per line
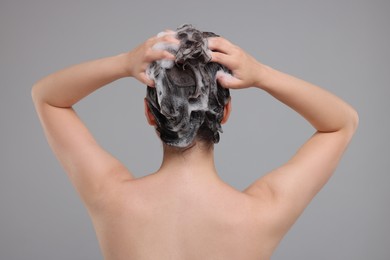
184, 210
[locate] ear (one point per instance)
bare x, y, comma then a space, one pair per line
226, 111
148, 114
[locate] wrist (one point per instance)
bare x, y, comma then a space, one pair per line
124, 64
262, 72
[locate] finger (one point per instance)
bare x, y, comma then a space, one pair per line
219, 44
166, 32
165, 39
160, 55
146, 80
167, 43
172, 45
221, 58
227, 80
169, 39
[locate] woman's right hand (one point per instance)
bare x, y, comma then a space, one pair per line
246, 70
140, 57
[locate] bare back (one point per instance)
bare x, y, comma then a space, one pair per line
157, 218
183, 216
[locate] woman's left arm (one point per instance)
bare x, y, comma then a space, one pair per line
91, 169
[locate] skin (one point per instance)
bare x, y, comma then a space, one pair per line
184, 210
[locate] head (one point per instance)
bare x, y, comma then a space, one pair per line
187, 104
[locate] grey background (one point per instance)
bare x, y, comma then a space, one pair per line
342, 46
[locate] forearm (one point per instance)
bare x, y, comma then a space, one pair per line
325, 111
66, 87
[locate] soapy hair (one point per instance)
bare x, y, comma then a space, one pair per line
187, 101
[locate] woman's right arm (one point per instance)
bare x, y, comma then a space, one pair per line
293, 185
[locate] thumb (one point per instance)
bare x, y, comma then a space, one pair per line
227, 80
146, 80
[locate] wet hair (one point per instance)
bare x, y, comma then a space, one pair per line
187, 101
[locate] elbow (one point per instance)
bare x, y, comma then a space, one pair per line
36, 93
351, 124
354, 120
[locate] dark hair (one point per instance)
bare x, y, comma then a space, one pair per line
187, 101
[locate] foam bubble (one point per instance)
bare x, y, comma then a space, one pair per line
167, 64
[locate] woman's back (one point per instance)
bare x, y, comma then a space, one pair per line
185, 211
164, 217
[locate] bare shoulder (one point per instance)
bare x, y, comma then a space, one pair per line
288, 189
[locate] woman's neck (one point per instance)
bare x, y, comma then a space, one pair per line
194, 162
